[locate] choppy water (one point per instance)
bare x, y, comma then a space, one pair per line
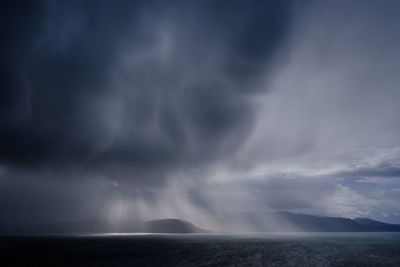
272, 249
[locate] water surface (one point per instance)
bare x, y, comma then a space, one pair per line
265, 249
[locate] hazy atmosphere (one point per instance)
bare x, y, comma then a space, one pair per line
188, 109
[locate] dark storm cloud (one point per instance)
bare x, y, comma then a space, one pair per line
140, 84
243, 105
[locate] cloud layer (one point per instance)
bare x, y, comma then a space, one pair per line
144, 85
190, 108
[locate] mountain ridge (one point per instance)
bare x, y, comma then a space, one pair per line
282, 221
285, 221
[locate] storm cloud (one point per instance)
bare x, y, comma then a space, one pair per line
190, 108
145, 85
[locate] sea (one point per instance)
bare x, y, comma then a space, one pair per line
244, 249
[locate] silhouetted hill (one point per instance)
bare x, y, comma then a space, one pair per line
284, 221
238, 222
369, 225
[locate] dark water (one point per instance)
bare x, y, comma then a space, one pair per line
277, 249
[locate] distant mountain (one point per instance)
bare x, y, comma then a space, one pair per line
104, 226
369, 225
290, 222
237, 222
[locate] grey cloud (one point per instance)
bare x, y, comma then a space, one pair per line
380, 171
109, 100
132, 84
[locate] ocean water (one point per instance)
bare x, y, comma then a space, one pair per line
263, 249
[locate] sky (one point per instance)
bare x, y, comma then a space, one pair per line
185, 109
